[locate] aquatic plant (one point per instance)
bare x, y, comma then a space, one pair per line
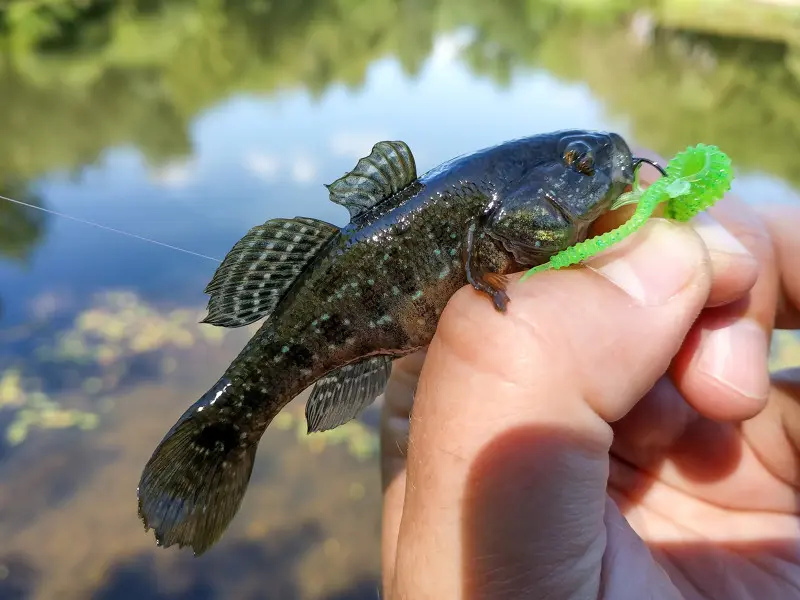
784, 351
103, 339
361, 442
120, 325
34, 409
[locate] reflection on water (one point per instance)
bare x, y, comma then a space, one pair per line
189, 122
21, 228
68, 504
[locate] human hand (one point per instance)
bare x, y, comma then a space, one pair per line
593, 443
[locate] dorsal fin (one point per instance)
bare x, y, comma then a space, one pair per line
260, 268
389, 168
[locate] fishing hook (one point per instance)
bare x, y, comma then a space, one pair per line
638, 161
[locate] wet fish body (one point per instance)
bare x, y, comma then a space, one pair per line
341, 304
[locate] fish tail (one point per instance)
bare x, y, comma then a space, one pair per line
194, 483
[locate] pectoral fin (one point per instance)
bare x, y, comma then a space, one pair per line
491, 284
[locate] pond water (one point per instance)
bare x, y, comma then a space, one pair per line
233, 118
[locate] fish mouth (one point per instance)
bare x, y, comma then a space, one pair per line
626, 169
637, 162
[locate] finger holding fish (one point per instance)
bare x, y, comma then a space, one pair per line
722, 368
399, 396
734, 271
734, 268
509, 435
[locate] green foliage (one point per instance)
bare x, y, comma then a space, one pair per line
86, 75
21, 229
79, 76
34, 409
360, 441
737, 94
99, 350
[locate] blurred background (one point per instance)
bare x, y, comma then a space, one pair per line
189, 121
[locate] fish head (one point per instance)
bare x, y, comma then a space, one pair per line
595, 168
572, 179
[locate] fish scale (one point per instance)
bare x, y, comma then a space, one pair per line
340, 304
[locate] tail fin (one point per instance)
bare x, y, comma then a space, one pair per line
194, 483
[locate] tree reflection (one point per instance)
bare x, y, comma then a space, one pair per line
21, 228
79, 76
685, 89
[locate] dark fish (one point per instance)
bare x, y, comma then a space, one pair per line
341, 304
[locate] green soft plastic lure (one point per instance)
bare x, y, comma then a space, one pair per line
696, 178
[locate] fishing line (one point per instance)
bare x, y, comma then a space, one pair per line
106, 227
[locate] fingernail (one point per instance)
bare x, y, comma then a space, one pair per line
717, 238
654, 264
736, 355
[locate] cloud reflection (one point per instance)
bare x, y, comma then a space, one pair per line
174, 175
355, 144
263, 165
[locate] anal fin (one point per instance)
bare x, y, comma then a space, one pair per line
260, 268
341, 395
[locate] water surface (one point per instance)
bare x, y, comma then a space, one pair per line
236, 117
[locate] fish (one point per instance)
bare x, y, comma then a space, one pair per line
340, 304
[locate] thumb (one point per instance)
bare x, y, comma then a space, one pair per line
509, 439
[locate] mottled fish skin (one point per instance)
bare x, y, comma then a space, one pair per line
376, 288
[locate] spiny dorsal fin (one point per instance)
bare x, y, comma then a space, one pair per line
342, 394
389, 168
260, 268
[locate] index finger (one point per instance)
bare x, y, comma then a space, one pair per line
766, 228
509, 435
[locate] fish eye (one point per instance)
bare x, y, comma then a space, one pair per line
580, 157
